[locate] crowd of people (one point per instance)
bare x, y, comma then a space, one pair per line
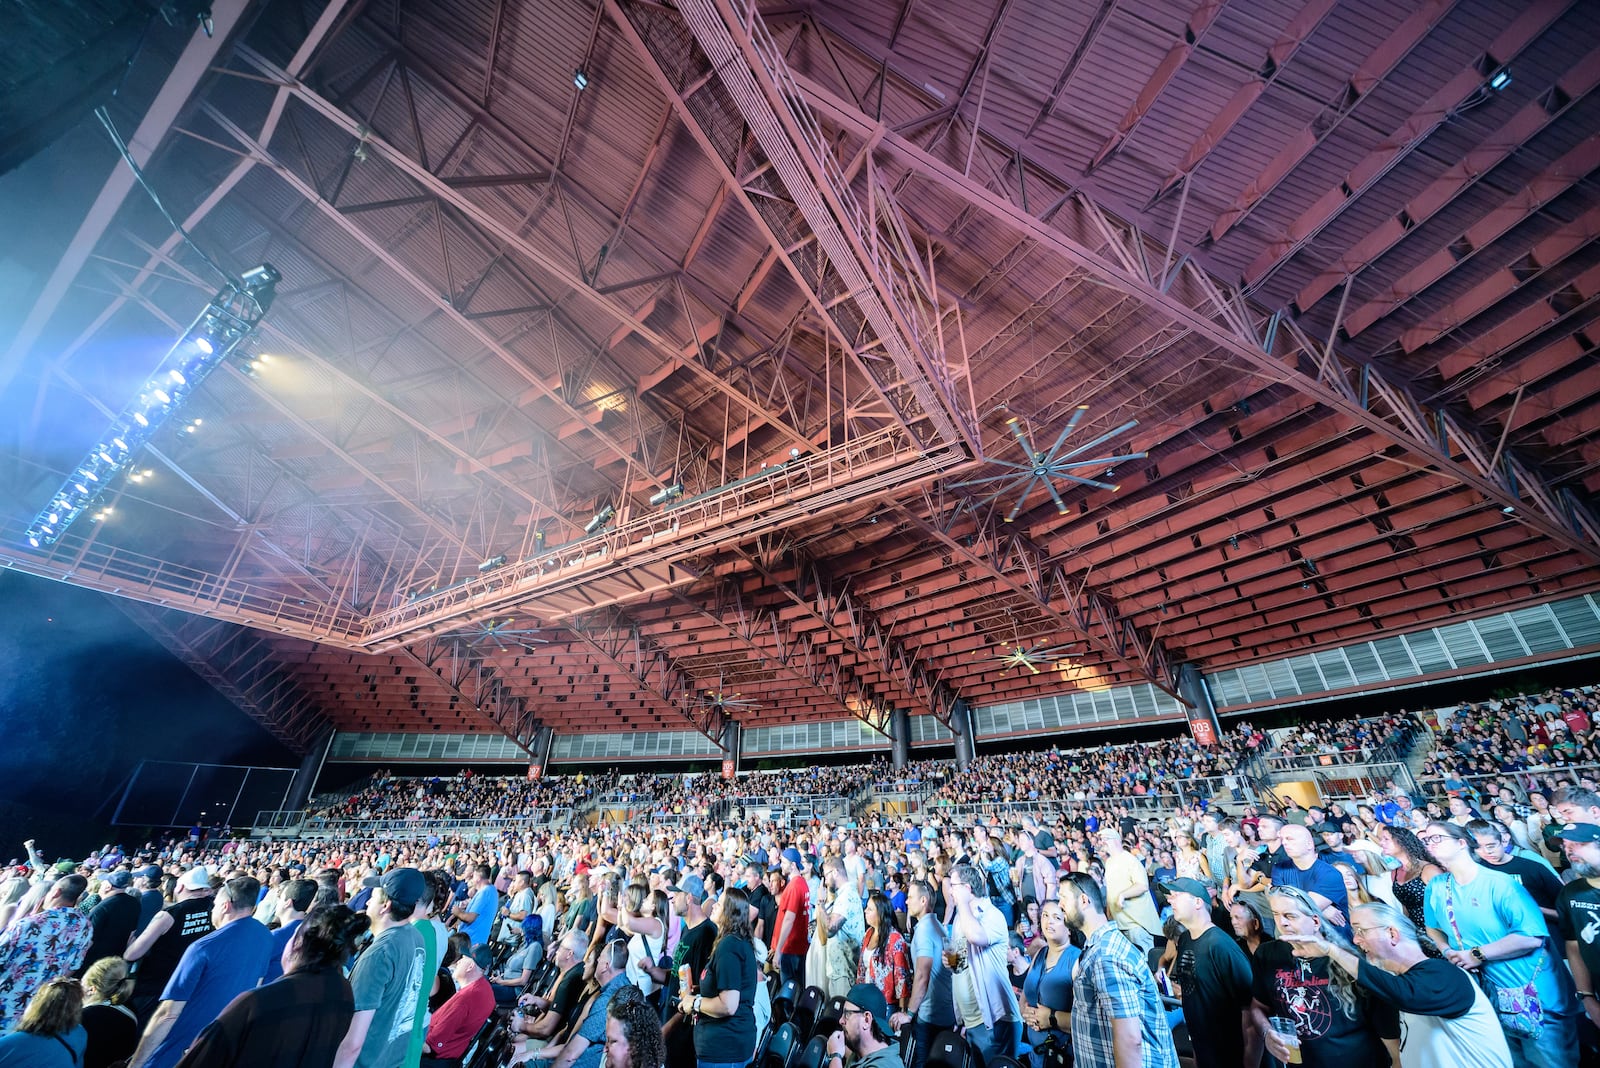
1453, 927
1534, 738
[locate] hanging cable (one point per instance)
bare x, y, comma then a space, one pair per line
138, 173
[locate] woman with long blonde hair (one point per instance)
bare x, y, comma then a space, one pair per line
1334, 1020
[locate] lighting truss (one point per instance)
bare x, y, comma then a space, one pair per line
1047, 466
231, 317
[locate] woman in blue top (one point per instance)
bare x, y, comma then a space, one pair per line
1047, 987
51, 1033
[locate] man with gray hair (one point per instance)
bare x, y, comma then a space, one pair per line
554, 1011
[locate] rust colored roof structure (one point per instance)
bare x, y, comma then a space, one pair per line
632, 353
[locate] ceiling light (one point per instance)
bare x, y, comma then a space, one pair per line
1509, 509
1500, 79
581, 79
138, 417
204, 345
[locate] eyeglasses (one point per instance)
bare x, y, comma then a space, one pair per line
1435, 839
1364, 930
847, 1011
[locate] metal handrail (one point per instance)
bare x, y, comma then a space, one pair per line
1521, 780
872, 462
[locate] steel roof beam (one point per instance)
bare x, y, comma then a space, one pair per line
973, 532
1276, 348
620, 641
792, 650
1301, 26
182, 82
826, 600
1536, 116
473, 679
1538, 17
866, 252
1367, 77
1200, 19
571, 275
273, 701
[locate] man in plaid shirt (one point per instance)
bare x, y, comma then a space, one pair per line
1117, 1017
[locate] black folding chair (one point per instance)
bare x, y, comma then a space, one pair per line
781, 1048
831, 1018
949, 1050
806, 1008
811, 1056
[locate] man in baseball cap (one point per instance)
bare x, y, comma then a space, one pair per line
863, 1032
692, 885
1217, 985
1578, 904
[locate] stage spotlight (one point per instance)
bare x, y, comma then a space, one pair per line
493, 562
230, 317
601, 518
667, 493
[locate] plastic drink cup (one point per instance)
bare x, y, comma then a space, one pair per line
1285, 1029
684, 976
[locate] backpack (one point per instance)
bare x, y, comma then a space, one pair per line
533, 928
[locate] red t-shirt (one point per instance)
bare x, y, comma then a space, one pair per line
459, 1020
1577, 722
796, 898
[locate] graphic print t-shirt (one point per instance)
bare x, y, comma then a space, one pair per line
1300, 990
388, 980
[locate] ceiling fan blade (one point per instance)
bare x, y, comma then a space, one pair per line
1107, 436
1072, 424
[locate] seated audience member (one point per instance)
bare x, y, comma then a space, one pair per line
50, 1033
453, 1027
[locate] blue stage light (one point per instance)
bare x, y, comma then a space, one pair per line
230, 317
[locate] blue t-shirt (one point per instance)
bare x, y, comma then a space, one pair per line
280, 942
23, 1050
1051, 987
213, 971
938, 1005
1491, 906
485, 903
1321, 878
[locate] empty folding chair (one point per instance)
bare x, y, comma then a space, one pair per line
806, 1008
949, 1050
811, 1056
782, 1048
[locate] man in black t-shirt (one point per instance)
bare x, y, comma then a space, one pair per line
1213, 976
161, 945
761, 899
113, 919
1578, 909
688, 898
1494, 851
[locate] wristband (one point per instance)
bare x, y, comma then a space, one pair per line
694, 1006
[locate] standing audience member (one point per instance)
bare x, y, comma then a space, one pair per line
213, 971
883, 953
50, 1033
111, 1026
794, 910
1127, 889
43, 946
1578, 909
147, 883
1447, 1019
1117, 1016
294, 901
476, 917
981, 983
1493, 927
1213, 977
847, 926
162, 943
1047, 986
300, 1018
930, 1008
389, 977
113, 918
723, 1008
1304, 870
1337, 1025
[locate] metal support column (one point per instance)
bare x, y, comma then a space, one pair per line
900, 738
732, 738
1202, 710
961, 725
305, 779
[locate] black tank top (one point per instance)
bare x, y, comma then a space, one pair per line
191, 921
